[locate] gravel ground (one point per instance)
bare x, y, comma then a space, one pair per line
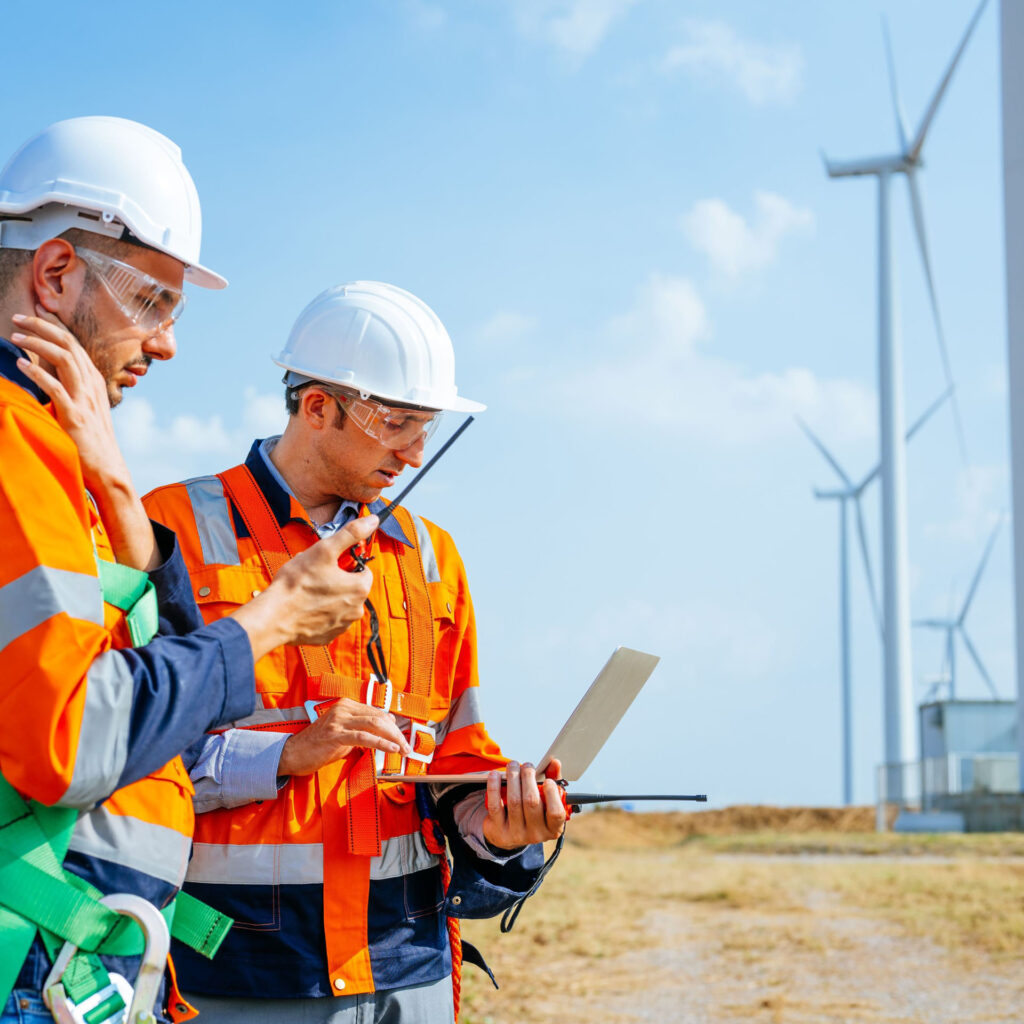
837, 967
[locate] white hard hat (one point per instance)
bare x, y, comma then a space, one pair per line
379, 340
105, 175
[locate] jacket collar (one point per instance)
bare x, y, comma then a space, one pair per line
285, 507
9, 356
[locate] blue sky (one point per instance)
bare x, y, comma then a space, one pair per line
618, 209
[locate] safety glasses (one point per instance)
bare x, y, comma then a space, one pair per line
147, 302
395, 428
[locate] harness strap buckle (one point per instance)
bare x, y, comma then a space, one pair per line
429, 732
389, 693
114, 997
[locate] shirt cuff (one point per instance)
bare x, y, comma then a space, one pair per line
470, 813
238, 767
176, 604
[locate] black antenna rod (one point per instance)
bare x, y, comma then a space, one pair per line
577, 799
386, 513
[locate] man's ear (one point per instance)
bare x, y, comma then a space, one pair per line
56, 276
317, 408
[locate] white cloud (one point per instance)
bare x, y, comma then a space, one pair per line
734, 246
574, 27
652, 359
162, 452
762, 73
505, 327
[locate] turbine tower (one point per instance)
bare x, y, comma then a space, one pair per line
852, 492
898, 695
952, 626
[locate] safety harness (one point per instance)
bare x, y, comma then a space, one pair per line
324, 687
74, 920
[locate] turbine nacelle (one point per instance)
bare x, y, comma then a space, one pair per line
896, 163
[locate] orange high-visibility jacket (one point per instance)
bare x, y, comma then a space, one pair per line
85, 721
312, 917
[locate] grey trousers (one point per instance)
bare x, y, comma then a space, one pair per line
419, 1004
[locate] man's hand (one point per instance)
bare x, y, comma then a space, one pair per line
77, 390
80, 400
529, 813
344, 726
311, 600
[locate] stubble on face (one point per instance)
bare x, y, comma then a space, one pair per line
85, 326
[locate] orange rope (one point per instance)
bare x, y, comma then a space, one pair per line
434, 845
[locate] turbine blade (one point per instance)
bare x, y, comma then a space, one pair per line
929, 412
897, 107
916, 426
866, 559
977, 662
978, 572
922, 245
913, 154
931, 623
825, 452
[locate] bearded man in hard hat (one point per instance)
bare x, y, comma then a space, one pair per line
335, 878
108, 670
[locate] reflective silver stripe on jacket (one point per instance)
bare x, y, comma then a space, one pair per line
465, 711
43, 592
257, 864
298, 863
400, 856
140, 845
430, 569
213, 520
103, 735
263, 716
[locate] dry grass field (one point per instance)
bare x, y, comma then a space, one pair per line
762, 915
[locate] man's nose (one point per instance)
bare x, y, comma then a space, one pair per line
162, 344
413, 454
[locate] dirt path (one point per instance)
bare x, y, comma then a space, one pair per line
809, 957
834, 967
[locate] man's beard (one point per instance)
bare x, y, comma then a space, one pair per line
84, 325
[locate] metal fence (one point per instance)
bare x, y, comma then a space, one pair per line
934, 783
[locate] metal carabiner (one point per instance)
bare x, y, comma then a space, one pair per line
140, 998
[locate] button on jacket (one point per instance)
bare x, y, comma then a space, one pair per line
312, 918
85, 720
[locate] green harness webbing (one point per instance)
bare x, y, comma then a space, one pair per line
133, 592
38, 895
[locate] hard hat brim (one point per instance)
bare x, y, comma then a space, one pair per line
203, 277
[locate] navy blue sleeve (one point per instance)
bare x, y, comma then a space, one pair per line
179, 613
183, 686
478, 887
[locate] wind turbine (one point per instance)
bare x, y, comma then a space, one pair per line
954, 625
852, 492
898, 720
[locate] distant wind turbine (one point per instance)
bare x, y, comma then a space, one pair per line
852, 492
955, 624
898, 720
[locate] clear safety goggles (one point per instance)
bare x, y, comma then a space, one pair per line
147, 302
394, 427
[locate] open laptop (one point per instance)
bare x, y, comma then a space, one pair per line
588, 727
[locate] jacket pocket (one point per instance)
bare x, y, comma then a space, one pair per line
221, 589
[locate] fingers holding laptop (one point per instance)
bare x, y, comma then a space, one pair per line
529, 813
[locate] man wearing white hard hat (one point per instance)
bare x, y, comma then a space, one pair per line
108, 670
336, 876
